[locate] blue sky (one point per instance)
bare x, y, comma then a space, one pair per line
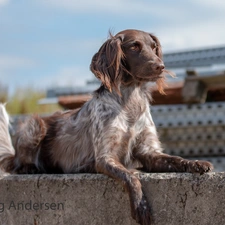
47, 43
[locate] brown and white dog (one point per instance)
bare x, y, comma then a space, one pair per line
109, 133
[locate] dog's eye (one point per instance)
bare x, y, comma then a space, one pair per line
135, 47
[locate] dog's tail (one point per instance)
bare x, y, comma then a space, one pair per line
7, 152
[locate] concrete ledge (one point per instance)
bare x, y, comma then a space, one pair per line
97, 200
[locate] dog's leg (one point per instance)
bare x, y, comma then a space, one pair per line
150, 155
139, 206
159, 162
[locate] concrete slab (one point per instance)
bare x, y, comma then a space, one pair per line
95, 199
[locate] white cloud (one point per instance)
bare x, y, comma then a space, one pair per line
198, 34
14, 62
9, 70
199, 23
9, 67
68, 77
181, 24
131, 7
65, 46
3, 2
216, 4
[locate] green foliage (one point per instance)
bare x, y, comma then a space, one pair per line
25, 101
3, 93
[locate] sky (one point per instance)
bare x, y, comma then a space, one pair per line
50, 43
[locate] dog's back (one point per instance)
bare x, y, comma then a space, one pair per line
52, 144
67, 146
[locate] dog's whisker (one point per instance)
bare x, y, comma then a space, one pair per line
171, 73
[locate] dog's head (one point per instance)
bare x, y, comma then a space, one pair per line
129, 57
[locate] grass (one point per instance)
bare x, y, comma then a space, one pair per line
24, 101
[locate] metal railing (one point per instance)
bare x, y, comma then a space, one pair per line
194, 131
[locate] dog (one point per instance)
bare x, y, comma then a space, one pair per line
110, 134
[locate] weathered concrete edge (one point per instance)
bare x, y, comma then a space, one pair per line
93, 176
97, 199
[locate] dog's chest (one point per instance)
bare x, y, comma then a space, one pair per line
135, 113
134, 133
138, 126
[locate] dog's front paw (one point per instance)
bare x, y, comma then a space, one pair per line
142, 212
199, 166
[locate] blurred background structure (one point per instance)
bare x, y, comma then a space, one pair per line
46, 48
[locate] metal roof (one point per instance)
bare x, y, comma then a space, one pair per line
195, 58
59, 91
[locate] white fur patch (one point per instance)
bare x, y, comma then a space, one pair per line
4, 113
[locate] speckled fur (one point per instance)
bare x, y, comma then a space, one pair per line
111, 133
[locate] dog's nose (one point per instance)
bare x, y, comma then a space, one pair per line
160, 67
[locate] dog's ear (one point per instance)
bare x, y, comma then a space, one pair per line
106, 63
161, 84
158, 46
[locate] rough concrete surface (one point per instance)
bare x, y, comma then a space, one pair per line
79, 199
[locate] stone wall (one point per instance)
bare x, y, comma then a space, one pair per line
94, 199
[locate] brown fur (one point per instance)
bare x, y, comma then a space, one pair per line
111, 133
